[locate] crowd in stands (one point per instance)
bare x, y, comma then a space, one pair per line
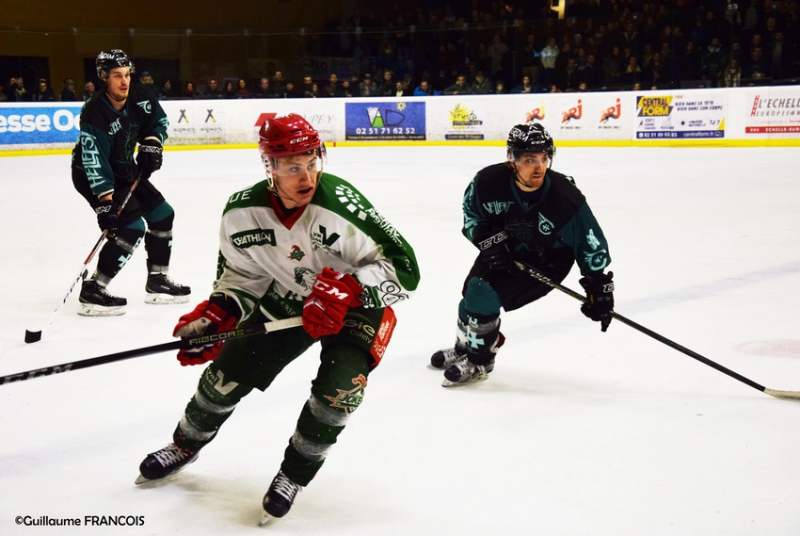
494, 47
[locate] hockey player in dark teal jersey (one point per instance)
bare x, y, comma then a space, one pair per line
113, 122
521, 210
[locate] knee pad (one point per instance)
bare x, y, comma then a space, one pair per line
118, 250
480, 299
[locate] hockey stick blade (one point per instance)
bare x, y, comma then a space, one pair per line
267, 327
795, 395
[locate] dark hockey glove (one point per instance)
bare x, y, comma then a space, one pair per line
495, 254
150, 157
215, 315
107, 215
332, 294
599, 302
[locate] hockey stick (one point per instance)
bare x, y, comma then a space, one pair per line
36, 336
660, 338
267, 327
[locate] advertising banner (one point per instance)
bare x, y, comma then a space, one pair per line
773, 111
385, 121
40, 124
699, 114
200, 122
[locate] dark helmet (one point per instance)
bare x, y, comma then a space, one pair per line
529, 138
109, 59
288, 135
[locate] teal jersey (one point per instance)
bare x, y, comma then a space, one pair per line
270, 261
108, 137
553, 230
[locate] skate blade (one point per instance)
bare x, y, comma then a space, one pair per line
163, 299
266, 520
473, 380
89, 309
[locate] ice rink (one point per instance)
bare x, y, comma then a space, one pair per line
576, 432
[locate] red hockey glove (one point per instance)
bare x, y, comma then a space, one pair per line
216, 315
599, 302
331, 296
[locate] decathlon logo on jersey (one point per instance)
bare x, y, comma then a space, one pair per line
254, 237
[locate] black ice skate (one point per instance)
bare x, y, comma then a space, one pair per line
165, 462
446, 358
465, 372
161, 289
96, 301
280, 497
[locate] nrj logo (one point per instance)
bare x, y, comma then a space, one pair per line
576, 112
536, 113
612, 112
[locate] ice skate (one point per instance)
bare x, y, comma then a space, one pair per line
444, 359
279, 498
165, 462
161, 289
96, 301
465, 372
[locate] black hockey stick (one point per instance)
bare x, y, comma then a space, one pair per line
36, 336
267, 327
660, 338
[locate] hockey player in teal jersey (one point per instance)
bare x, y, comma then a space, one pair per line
521, 210
301, 243
113, 122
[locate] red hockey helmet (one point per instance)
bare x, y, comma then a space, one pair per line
288, 135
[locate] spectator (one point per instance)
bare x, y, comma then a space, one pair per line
459, 87
633, 73
424, 90
367, 87
332, 89
229, 92
188, 91
440, 80
497, 52
10, 89
166, 92
88, 91
346, 90
241, 91
312, 92
612, 68
500, 88
549, 55
481, 86
690, 63
68, 92
400, 91
278, 85
387, 87
212, 90
44, 93
147, 81
733, 74
263, 91
757, 66
569, 77
524, 87
305, 89
778, 57
712, 62
592, 73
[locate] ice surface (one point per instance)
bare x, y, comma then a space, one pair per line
577, 432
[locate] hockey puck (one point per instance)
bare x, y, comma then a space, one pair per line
32, 336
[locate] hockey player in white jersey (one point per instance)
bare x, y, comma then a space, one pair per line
300, 243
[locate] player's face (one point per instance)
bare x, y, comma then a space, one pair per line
296, 178
531, 168
118, 83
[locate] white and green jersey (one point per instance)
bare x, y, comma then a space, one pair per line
270, 259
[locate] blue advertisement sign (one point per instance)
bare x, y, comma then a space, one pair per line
58, 123
384, 121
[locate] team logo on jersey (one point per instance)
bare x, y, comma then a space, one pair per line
321, 240
146, 106
254, 237
597, 260
296, 253
545, 226
305, 277
349, 400
592, 240
497, 207
114, 127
